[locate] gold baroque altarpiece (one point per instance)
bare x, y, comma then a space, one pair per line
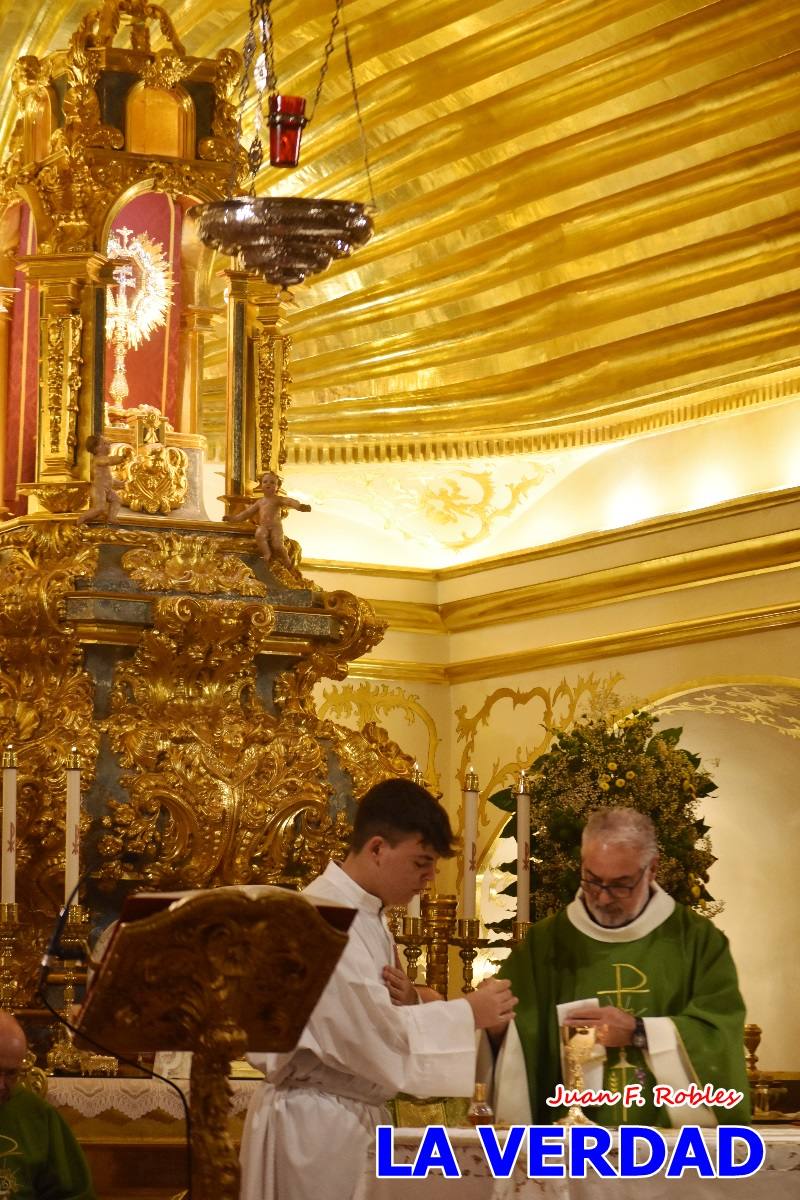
160, 645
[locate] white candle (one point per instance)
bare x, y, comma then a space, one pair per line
413, 906
523, 850
470, 801
8, 869
72, 855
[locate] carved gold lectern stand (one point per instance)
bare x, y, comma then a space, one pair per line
218, 973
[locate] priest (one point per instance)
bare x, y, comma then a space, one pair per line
308, 1131
653, 981
39, 1156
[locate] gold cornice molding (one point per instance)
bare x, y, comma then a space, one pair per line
410, 617
709, 565
713, 564
636, 641
386, 669
665, 411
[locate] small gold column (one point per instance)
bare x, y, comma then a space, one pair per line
236, 342
66, 337
5, 336
270, 383
195, 324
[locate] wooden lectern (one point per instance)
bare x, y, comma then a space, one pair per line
216, 972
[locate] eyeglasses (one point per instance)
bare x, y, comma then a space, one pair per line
617, 891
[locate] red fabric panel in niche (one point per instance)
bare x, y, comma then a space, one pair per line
152, 369
23, 377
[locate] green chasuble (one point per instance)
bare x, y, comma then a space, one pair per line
39, 1157
681, 969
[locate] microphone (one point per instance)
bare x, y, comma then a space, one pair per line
55, 952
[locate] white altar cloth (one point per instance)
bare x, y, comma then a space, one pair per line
134, 1098
778, 1178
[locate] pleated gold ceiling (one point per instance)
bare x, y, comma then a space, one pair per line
587, 216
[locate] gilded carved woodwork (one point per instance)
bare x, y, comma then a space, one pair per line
170, 562
155, 482
72, 182
359, 631
223, 145
63, 382
221, 973
215, 781
265, 400
219, 787
369, 754
46, 696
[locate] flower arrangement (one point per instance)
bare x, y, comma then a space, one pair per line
602, 763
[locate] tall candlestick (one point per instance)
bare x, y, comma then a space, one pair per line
72, 824
470, 800
413, 907
523, 849
9, 828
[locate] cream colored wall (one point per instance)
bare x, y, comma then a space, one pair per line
703, 605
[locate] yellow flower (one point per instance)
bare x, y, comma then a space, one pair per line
612, 766
630, 774
603, 786
620, 783
696, 892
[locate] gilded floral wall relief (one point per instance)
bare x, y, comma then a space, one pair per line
364, 705
543, 710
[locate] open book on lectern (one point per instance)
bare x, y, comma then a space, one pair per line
255, 956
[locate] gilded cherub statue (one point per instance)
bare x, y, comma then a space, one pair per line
103, 501
269, 520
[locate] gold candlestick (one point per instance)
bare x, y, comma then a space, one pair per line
519, 931
412, 939
394, 916
64, 1056
468, 938
438, 919
752, 1038
10, 934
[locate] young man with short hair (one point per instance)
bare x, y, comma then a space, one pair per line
309, 1130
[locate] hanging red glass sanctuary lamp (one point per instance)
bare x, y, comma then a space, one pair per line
284, 239
287, 120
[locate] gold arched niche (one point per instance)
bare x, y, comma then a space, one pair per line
197, 310
159, 121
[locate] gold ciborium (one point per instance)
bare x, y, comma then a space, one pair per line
580, 1047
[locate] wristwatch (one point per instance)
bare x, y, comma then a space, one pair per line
639, 1035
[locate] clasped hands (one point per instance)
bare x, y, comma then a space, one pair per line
492, 1002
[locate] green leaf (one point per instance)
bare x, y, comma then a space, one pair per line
504, 800
670, 737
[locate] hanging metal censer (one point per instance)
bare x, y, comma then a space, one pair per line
283, 239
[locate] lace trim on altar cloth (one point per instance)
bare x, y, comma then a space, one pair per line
134, 1098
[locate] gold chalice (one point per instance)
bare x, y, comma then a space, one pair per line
580, 1047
